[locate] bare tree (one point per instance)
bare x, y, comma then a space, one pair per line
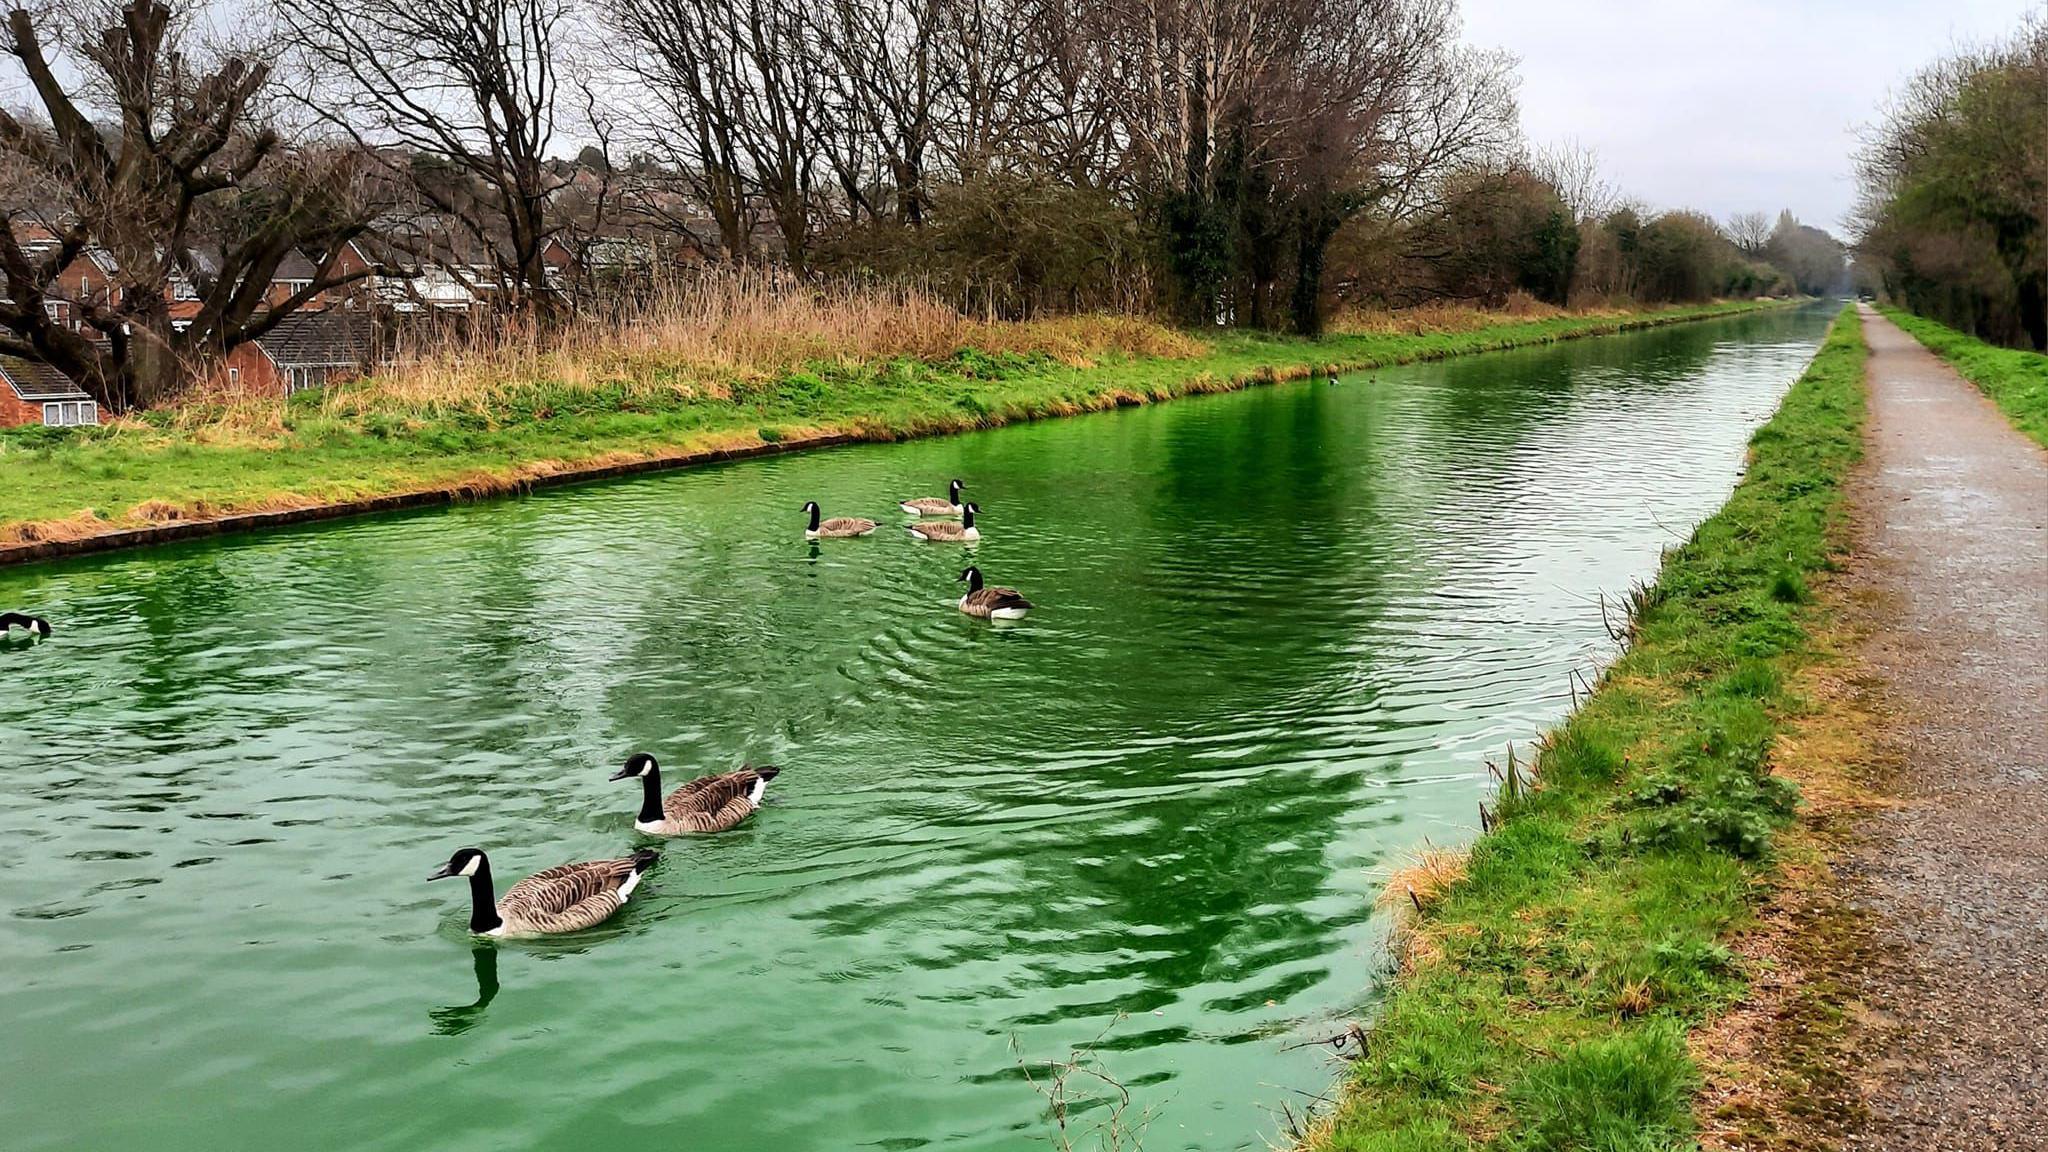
887, 76
1751, 231
741, 113
676, 54
458, 99
184, 189
1574, 170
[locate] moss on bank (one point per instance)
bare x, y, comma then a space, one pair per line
2015, 379
1545, 1001
85, 483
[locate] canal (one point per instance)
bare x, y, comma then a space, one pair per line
1278, 633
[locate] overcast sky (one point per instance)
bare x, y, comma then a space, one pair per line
1726, 107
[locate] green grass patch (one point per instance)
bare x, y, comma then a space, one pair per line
2015, 379
94, 479
1547, 997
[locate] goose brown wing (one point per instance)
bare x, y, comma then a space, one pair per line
941, 530
990, 599
707, 794
847, 524
556, 890
716, 804
588, 912
931, 505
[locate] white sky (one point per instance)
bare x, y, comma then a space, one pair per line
1724, 106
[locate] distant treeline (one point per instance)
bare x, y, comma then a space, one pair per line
1954, 209
1243, 162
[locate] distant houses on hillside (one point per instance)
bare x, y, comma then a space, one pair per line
400, 273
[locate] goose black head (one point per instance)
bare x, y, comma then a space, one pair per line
465, 862
955, 488
973, 577
638, 764
967, 514
812, 506
40, 627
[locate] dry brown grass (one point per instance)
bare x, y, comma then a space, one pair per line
1413, 888
77, 526
1420, 883
1453, 317
692, 338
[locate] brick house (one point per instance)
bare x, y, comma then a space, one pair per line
32, 393
305, 350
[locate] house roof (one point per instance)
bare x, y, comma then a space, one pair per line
330, 339
36, 381
295, 266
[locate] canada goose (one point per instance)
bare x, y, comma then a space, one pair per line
991, 603
565, 898
706, 804
933, 506
946, 532
34, 625
837, 526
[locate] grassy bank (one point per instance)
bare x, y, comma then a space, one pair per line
2016, 380
1549, 986
515, 415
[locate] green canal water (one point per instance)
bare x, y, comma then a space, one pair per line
1279, 633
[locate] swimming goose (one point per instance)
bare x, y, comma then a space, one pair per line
34, 625
934, 506
947, 532
706, 804
566, 898
837, 526
991, 603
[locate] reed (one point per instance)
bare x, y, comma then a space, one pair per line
687, 338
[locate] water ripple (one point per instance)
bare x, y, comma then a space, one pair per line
1279, 631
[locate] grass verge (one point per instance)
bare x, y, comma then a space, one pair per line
2015, 379
357, 443
1548, 999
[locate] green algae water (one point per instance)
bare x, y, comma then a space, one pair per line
1279, 633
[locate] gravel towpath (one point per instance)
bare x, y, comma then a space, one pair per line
1953, 507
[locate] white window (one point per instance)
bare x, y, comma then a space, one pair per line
234, 377
71, 413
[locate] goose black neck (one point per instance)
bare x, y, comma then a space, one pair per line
967, 516
814, 517
483, 900
953, 490
650, 796
973, 581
